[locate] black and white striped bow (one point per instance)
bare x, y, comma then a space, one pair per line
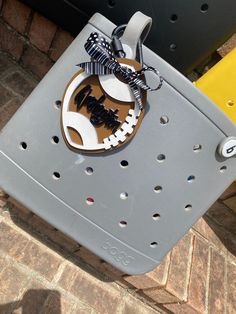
103, 62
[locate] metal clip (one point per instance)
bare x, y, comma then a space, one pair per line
116, 42
117, 45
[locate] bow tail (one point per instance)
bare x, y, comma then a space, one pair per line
140, 83
137, 95
95, 68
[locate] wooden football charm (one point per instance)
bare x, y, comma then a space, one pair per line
99, 112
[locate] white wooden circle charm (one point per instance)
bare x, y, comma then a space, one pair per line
107, 115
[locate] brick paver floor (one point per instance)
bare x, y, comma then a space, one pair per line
39, 272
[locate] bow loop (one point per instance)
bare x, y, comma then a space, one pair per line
103, 63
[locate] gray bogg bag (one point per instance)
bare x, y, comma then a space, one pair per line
134, 194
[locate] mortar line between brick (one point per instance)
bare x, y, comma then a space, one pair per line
11, 224
93, 272
189, 267
37, 237
4, 265
53, 40
121, 305
11, 261
24, 268
53, 284
148, 303
9, 102
71, 297
28, 24
219, 225
75, 302
167, 268
41, 241
18, 69
4, 76
233, 262
167, 273
31, 274
70, 258
225, 286
221, 200
9, 27
225, 205
15, 95
59, 289
226, 254
15, 227
59, 272
208, 280
26, 42
6, 86
211, 244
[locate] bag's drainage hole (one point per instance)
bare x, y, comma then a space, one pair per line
23, 145
153, 244
188, 207
58, 104
204, 7
164, 119
158, 189
173, 18
124, 195
161, 158
156, 216
173, 47
122, 224
111, 3
90, 201
191, 178
124, 163
89, 171
55, 139
223, 169
230, 103
197, 148
56, 175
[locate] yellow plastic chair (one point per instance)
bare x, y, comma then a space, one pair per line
219, 84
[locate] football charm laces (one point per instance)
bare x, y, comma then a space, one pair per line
104, 62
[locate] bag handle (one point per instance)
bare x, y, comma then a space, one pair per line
136, 30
